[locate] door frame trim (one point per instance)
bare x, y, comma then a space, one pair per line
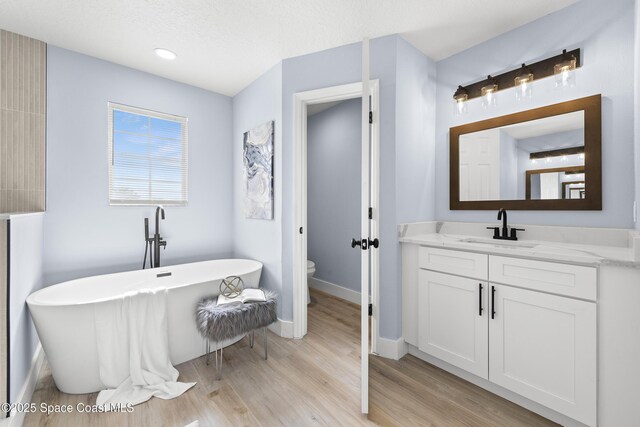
299, 263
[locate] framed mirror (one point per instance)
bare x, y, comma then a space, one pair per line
548, 158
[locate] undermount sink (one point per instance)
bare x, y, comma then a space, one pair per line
498, 242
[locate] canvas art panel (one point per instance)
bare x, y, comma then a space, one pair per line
257, 156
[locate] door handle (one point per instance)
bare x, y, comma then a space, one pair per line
493, 302
480, 299
364, 243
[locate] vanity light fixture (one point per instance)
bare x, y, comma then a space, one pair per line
460, 99
562, 66
565, 70
165, 53
523, 82
488, 92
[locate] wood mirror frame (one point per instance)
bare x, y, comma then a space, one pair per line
591, 106
568, 169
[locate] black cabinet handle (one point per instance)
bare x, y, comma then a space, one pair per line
375, 243
355, 243
493, 302
480, 299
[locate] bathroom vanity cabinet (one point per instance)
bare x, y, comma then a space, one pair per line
527, 326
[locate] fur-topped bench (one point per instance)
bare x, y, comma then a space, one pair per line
221, 322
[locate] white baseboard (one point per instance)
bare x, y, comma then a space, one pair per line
283, 328
391, 349
335, 290
16, 419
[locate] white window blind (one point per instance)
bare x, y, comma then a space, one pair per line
147, 157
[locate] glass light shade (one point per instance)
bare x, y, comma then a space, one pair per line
565, 72
460, 104
523, 86
489, 95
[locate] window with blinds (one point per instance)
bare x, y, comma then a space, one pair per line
147, 157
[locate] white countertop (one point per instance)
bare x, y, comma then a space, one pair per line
585, 254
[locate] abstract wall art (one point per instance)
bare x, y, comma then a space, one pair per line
257, 156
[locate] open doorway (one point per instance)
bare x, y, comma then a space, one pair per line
333, 198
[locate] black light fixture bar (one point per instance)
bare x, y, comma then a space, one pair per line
556, 153
574, 171
540, 70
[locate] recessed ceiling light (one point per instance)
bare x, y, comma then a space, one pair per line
165, 54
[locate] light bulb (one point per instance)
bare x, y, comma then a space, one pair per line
460, 99
565, 71
488, 92
523, 84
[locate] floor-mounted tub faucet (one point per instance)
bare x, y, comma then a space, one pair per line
154, 242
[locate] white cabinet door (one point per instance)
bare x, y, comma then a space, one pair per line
543, 347
453, 316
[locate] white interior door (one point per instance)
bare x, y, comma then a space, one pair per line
369, 199
480, 165
365, 233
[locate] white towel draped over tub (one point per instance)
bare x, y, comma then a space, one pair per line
133, 350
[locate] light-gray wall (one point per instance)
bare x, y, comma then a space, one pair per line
83, 235
26, 270
404, 196
636, 93
334, 146
605, 34
253, 238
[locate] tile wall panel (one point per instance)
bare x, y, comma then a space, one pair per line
23, 64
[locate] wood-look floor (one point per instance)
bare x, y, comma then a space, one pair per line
313, 381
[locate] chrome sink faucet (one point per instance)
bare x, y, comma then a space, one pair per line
505, 235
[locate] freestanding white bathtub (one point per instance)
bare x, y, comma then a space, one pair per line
64, 314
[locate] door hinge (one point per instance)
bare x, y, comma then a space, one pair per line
370, 213
370, 117
370, 309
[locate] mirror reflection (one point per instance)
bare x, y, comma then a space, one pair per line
533, 160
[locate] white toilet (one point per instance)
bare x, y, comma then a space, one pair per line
311, 269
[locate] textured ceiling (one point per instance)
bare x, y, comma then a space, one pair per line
223, 45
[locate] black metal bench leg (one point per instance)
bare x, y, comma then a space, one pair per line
219, 366
265, 343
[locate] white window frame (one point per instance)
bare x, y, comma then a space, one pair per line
112, 106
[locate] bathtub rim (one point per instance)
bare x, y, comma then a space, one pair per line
32, 298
